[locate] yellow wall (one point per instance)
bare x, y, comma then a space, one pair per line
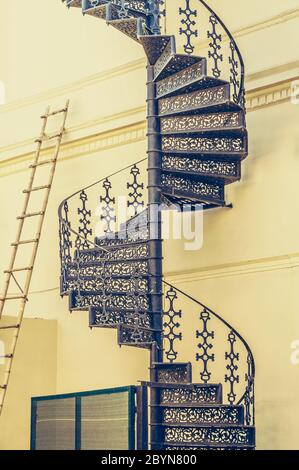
33, 374
247, 269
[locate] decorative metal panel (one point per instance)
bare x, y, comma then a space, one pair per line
207, 415
207, 167
202, 122
195, 100
180, 79
192, 187
208, 394
202, 144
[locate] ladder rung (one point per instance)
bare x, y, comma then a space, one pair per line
48, 137
37, 188
14, 297
32, 214
9, 327
54, 136
44, 162
6, 356
52, 113
25, 242
16, 270
4, 387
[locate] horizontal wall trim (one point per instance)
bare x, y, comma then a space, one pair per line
64, 90
247, 267
277, 93
138, 64
222, 271
84, 147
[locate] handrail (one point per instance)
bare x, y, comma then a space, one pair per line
229, 34
61, 205
228, 325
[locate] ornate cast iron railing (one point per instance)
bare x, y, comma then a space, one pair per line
201, 29
220, 351
102, 213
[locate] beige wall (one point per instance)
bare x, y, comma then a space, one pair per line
33, 374
247, 269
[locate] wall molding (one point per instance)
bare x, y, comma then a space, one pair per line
269, 95
80, 148
138, 64
246, 267
257, 98
78, 85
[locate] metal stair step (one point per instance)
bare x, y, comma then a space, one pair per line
170, 64
228, 170
178, 446
133, 251
120, 286
185, 394
73, 3
132, 27
189, 79
86, 299
216, 414
115, 268
222, 435
111, 318
156, 47
193, 188
227, 122
172, 372
100, 11
136, 336
205, 100
207, 145
118, 243
133, 230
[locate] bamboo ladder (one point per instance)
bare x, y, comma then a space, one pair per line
22, 298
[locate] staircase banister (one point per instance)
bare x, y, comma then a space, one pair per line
244, 342
60, 208
229, 34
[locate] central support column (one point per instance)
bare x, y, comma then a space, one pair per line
155, 242
154, 209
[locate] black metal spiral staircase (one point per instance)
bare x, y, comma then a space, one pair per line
197, 139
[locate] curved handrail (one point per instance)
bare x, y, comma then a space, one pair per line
228, 325
61, 205
229, 34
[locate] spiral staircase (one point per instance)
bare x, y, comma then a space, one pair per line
197, 140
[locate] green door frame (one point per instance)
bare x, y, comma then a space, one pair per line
78, 396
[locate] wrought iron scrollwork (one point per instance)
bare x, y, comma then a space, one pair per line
188, 25
84, 229
135, 196
193, 19
171, 325
232, 377
65, 236
215, 46
108, 211
155, 11
213, 333
205, 346
234, 72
